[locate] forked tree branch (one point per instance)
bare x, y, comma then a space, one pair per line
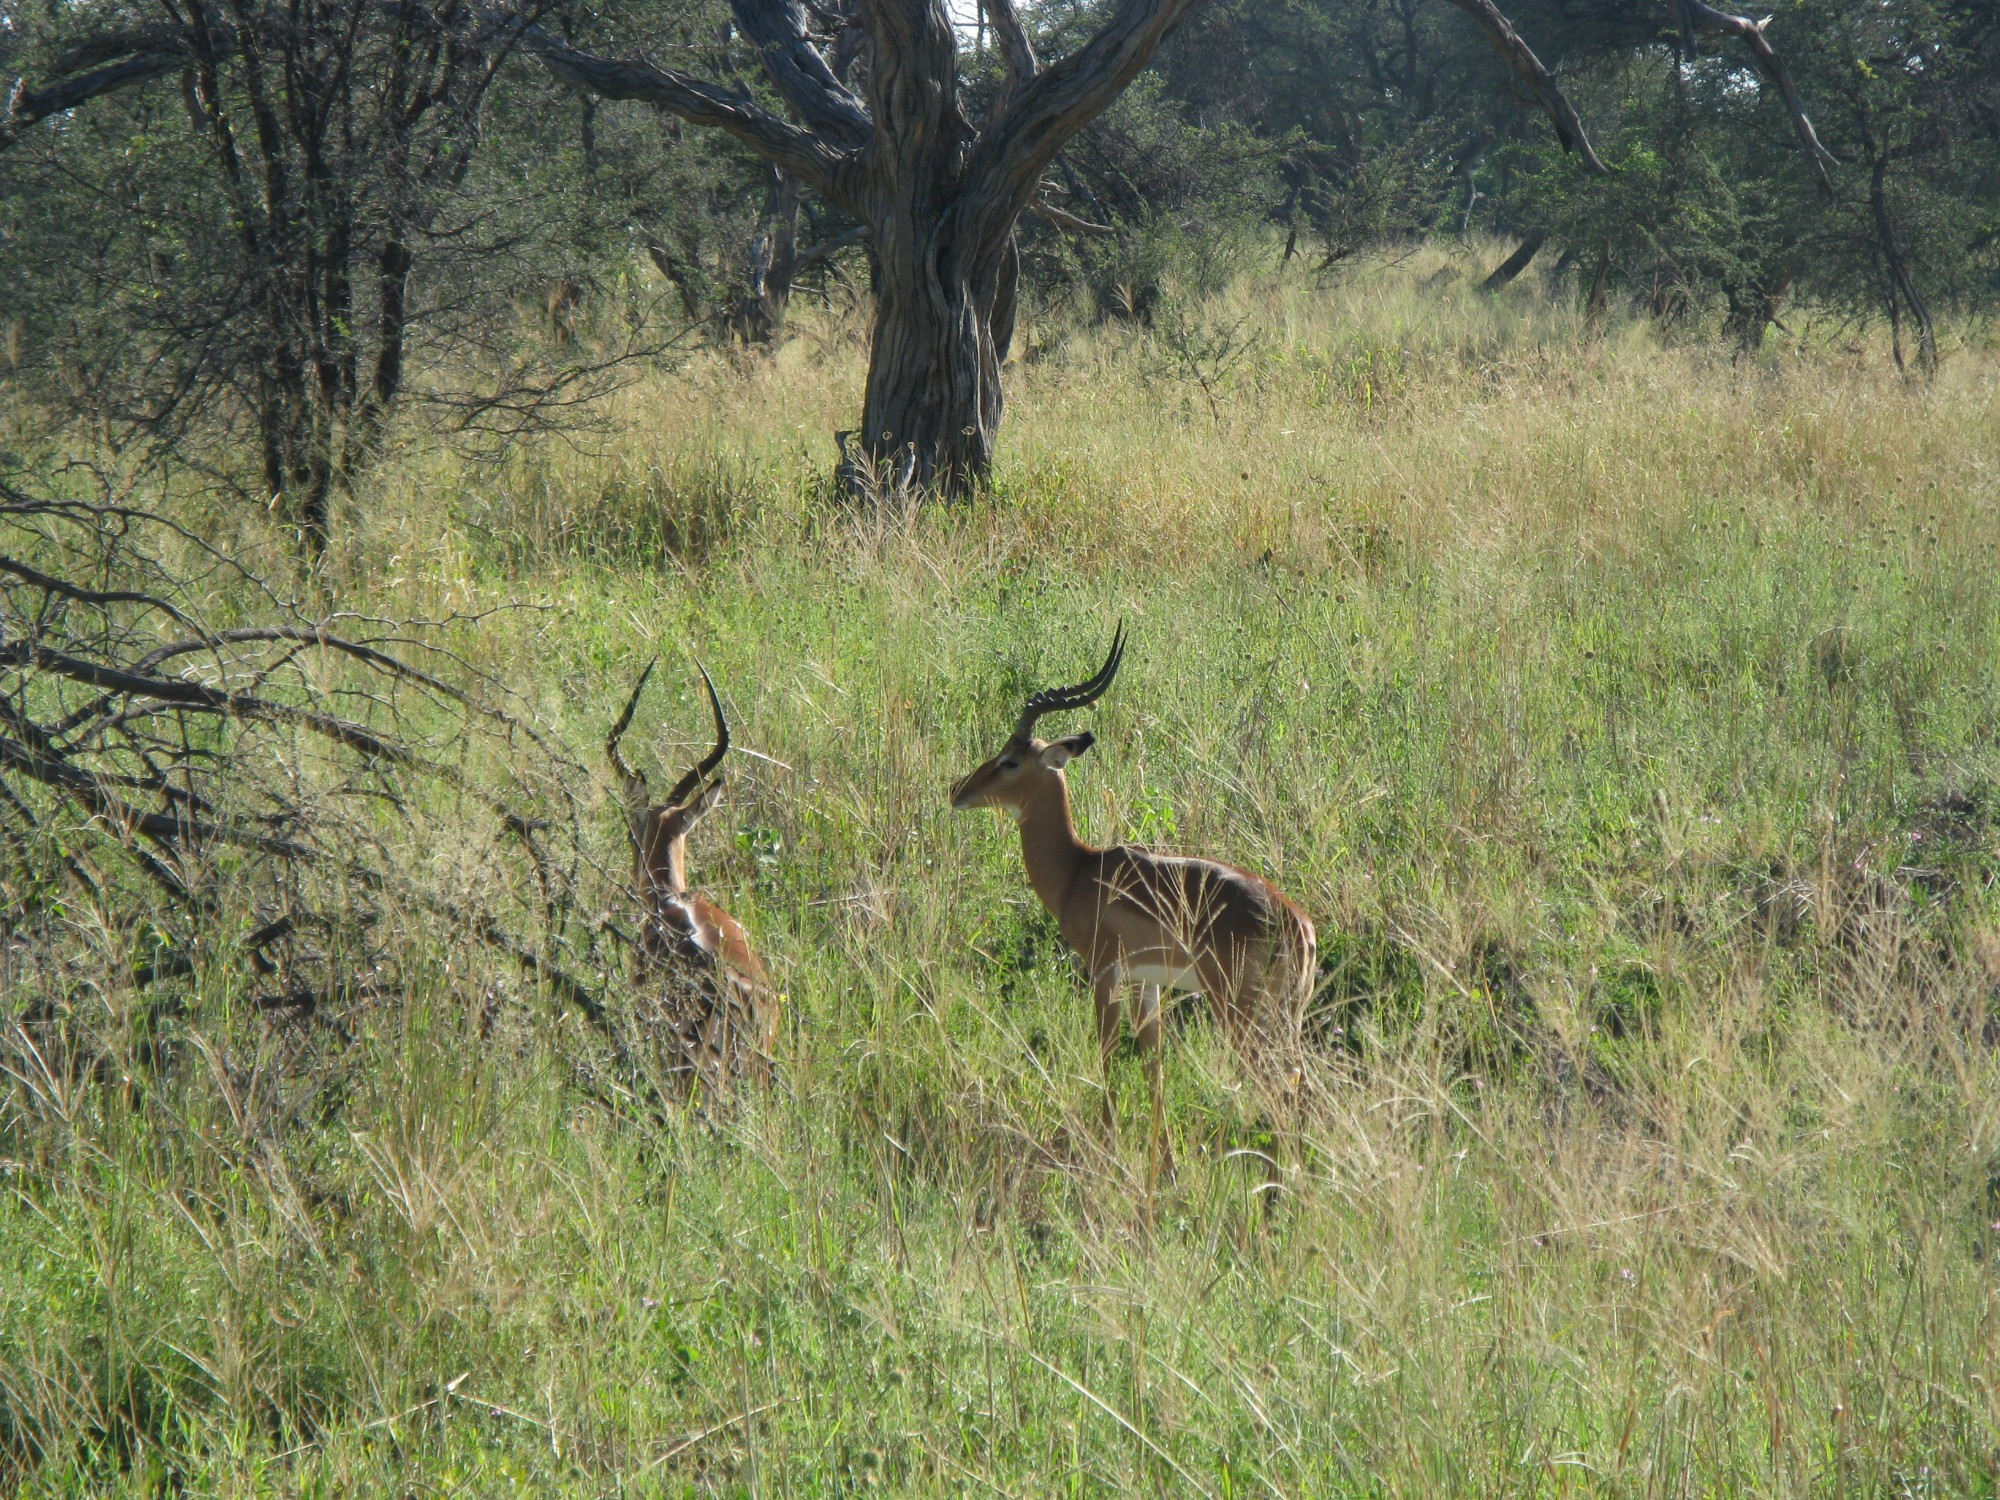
802, 152
777, 28
1697, 15
1523, 64
1015, 46
1063, 219
1043, 116
28, 107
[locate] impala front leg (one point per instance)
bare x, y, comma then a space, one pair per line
1105, 986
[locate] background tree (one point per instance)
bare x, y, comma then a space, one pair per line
242, 252
941, 197
1150, 195
1709, 205
1729, 196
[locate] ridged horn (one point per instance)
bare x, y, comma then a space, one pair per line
624, 723
1077, 695
710, 761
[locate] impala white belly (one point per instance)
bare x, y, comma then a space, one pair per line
1166, 976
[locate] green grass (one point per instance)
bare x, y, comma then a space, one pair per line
1627, 719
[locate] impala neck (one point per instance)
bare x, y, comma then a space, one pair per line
1049, 845
664, 871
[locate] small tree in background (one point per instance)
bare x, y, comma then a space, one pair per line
244, 250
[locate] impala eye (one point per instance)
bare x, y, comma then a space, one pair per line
1010, 764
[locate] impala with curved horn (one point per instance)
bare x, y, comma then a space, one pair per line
1136, 917
720, 1010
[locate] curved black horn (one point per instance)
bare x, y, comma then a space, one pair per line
711, 760
625, 722
1077, 695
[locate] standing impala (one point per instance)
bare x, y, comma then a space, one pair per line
1153, 920
718, 1006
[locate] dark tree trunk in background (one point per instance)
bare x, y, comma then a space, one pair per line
1752, 311
1597, 302
772, 264
1900, 287
1514, 264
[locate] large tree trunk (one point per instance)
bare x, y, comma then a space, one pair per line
1598, 302
943, 324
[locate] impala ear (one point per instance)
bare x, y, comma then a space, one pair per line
703, 802
1061, 752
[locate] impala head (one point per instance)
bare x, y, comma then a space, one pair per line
1026, 763
659, 830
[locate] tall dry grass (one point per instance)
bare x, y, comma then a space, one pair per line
1624, 715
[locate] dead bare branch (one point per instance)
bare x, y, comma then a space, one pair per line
267, 778
1521, 61
1062, 219
1697, 15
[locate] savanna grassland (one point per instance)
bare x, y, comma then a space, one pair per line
1628, 720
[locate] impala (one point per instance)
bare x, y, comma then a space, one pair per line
718, 1005
1156, 921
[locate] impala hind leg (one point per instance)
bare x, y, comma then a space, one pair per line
1146, 1026
1236, 1007
1281, 1082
